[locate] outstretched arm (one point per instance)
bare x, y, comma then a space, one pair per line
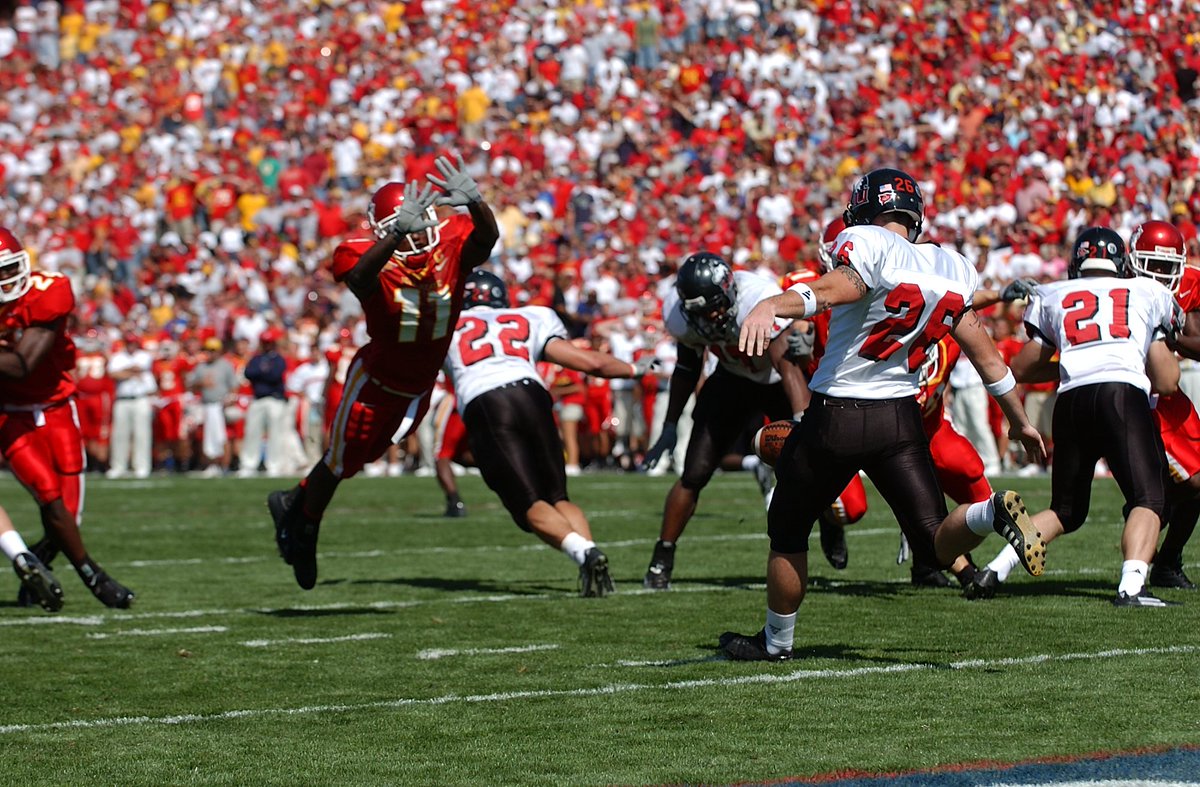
597, 364
840, 286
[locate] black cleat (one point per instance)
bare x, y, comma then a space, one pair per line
833, 544
295, 535
929, 578
658, 576
455, 509
1164, 575
110, 592
594, 580
1143, 599
740, 647
1015, 526
38, 585
983, 586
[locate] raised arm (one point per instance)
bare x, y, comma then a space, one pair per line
460, 190
363, 278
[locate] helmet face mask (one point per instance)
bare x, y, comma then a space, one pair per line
708, 296
1157, 251
484, 289
381, 215
1098, 249
15, 270
883, 191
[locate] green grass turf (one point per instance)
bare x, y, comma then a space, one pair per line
624, 690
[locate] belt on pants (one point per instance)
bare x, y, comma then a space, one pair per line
857, 404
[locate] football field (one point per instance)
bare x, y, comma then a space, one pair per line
438, 651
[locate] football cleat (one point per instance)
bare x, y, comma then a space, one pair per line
740, 647
455, 509
1163, 575
983, 586
110, 592
658, 576
594, 579
38, 585
929, 578
295, 536
833, 544
1143, 599
1015, 526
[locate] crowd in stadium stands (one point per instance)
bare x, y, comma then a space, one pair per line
190, 166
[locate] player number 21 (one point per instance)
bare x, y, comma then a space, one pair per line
422, 305
1081, 308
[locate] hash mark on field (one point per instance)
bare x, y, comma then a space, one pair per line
266, 643
158, 632
441, 653
760, 678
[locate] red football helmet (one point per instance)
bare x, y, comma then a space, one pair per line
1157, 251
14, 267
381, 214
825, 250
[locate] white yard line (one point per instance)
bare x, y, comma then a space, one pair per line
268, 643
436, 653
157, 632
758, 678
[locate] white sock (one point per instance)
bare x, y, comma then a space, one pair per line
750, 461
1133, 577
12, 544
781, 631
1005, 562
576, 547
980, 517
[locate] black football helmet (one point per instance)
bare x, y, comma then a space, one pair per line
707, 295
1098, 249
882, 191
484, 288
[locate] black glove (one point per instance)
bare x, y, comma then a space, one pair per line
665, 443
1019, 290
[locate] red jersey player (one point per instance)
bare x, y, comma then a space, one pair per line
39, 435
94, 395
1157, 251
409, 279
170, 369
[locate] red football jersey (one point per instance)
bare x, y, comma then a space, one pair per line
170, 375
820, 322
411, 317
47, 304
91, 374
1188, 294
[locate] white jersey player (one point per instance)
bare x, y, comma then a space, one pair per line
509, 415
721, 339
890, 300
709, 304
1109, 333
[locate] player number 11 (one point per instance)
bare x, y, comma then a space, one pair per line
417, 305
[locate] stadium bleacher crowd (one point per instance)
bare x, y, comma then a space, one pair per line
190, 166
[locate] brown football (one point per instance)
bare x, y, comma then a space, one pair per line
768, 441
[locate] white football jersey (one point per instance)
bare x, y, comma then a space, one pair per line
495, 347
1102, 327
751, 289
877, 344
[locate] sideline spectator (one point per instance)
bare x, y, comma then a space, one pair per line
132, 434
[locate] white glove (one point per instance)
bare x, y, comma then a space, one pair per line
460, 187
644, 365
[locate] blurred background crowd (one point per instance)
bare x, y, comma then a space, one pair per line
190, 166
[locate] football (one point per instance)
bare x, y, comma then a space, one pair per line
768, 441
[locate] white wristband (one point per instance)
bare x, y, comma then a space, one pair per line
808, 297
798, 415
1003, 385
